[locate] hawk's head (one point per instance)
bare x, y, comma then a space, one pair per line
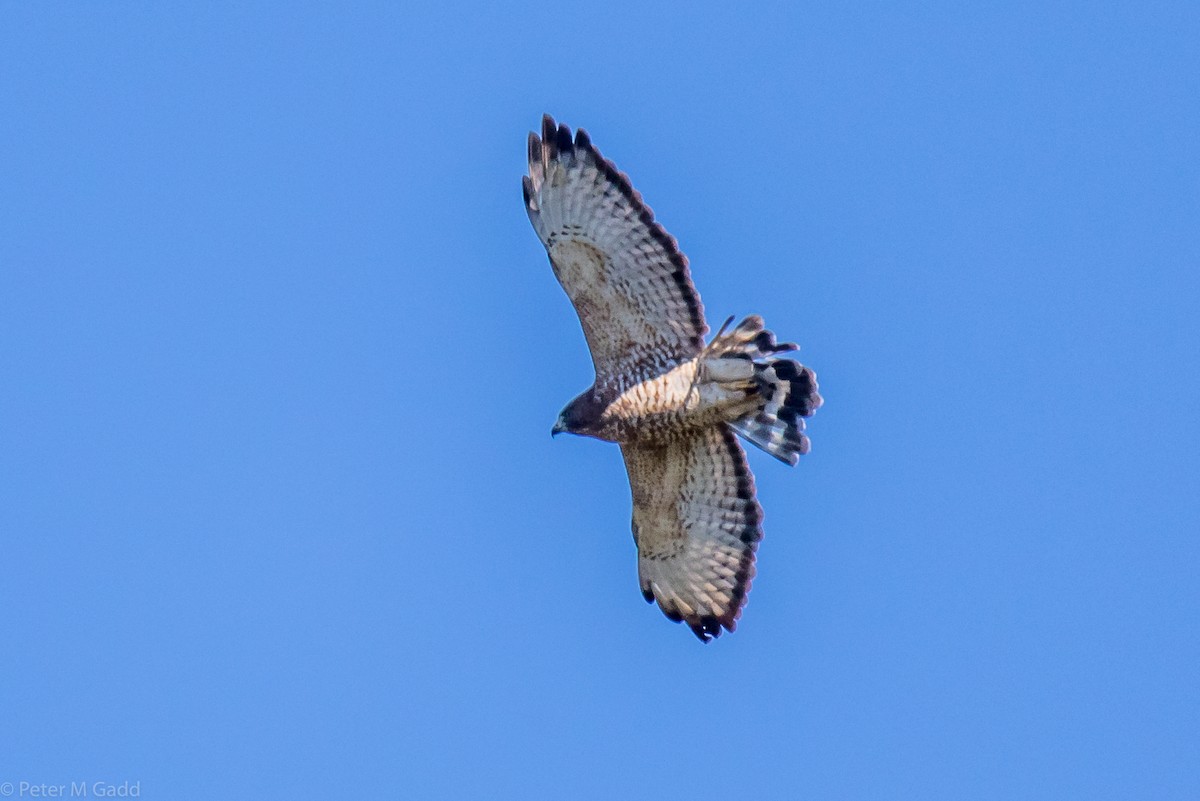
581, 416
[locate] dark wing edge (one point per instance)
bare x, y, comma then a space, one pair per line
735, 536
557, 145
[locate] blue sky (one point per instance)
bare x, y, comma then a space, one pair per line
280, 351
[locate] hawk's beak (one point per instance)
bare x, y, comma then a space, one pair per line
558, 429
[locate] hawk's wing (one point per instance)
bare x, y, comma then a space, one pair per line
696, 523
625, 275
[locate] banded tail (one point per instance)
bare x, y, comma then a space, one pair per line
786, 390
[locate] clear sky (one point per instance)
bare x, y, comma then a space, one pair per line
280, 353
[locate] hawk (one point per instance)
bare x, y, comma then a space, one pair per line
674, 404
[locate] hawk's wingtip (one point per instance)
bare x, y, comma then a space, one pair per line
527, 191
707, 628
565, 144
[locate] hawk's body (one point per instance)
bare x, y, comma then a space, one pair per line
671, 401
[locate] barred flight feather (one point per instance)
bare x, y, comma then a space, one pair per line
671, 402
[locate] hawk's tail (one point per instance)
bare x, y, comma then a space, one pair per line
787, 390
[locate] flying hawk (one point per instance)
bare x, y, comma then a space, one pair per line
672, 402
